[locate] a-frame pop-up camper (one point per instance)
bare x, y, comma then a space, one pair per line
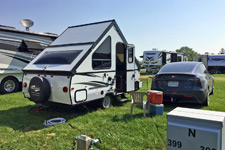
86, 62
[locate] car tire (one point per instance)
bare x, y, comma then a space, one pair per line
212, 92
106, 101
206, 103
9, 85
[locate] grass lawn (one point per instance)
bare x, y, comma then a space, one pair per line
23, 129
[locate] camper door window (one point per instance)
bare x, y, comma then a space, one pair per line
130, 55
58, 57
101, 58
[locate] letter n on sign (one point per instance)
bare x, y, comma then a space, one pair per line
192, 132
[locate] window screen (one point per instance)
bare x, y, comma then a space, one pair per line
130, 56
58, 57
101, 59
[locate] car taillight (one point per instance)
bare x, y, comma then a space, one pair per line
24, 84
197, 79
188, 96
156, 83
65, 89
153, 78
198, 82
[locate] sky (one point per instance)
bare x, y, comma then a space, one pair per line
162, 24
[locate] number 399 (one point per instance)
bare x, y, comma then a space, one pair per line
174, 143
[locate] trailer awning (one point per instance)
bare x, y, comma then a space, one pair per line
8, 47
33, 45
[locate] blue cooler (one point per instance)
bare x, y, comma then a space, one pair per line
156, 109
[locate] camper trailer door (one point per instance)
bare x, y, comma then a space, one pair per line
130, 68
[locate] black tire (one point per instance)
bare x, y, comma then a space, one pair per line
106, 101
39, 89
9, 85
212, 92
206, 103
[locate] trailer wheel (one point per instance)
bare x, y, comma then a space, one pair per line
39, 89
106, 102
9, 85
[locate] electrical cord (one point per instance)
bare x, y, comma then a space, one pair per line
54, 121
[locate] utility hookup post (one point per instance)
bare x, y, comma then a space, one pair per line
85, 143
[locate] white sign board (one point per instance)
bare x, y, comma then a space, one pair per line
192, 129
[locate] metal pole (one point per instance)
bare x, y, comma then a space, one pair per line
147, 83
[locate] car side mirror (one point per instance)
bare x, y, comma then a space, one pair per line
206, 71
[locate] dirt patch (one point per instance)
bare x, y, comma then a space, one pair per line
146, 76
50, 134
219, 78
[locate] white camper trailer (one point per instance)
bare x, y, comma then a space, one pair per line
17, 49
214, 63
85, 63
153, 60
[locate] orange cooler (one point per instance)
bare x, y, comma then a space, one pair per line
155, 97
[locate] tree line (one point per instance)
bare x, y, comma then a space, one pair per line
190, 53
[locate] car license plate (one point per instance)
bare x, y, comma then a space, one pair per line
173, 83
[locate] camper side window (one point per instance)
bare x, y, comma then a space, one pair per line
58, 57
130, 55
101, 58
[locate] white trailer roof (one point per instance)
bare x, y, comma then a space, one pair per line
81, 34
81, 38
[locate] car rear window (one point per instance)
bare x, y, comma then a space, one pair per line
58, 57
178, 67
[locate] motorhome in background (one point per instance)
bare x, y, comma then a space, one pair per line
76, 69
214, 63
153, 60
17, 49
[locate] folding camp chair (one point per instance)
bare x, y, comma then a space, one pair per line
137, 98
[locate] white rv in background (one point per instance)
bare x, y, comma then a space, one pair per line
85, 63
214, 63
17, 49
153, 60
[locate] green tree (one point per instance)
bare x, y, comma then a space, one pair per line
189, 52
222, 51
